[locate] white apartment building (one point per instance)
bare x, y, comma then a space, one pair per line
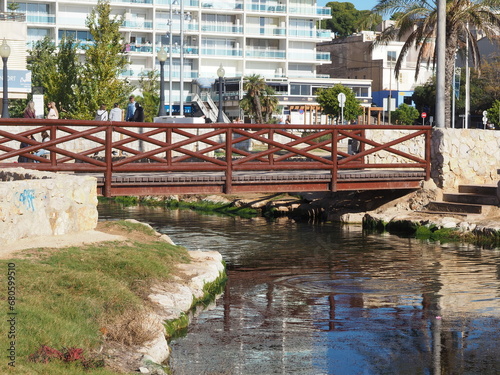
273, 38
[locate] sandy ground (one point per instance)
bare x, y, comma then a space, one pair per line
9, 250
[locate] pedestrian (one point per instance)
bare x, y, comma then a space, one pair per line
101, 114
42, 152
22, 158
29, 111
130, 109
53, 113
116, 113
138, 113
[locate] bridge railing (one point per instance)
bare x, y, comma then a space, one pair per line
114, 147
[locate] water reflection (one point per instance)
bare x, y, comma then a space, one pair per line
325, 299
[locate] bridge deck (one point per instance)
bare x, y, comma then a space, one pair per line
165, 183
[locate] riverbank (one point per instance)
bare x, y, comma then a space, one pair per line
399, 211
111, 303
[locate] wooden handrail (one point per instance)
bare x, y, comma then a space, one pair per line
76, 146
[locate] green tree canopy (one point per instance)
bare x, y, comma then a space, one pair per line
328, 100
346, 19
150, 87
58, 72
259, 101
494, 114
405, 115
104, 61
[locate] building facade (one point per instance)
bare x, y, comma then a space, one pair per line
354, 57
276, 39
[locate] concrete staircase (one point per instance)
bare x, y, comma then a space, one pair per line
470, 199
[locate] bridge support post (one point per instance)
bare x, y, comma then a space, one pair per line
335, 160
109, 162
229, 161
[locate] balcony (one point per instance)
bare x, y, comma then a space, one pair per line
214, 51
266, 8
265, 54
131, 1
309, 56
267, 31
312, 11
222, 5
176, 26
138, 24
322, 33
41, 18
189, 3
225, 29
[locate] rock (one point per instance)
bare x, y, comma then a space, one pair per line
144, 370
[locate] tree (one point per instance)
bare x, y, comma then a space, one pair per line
57, 71
269, 103
255, 87
346, 19
417, 25
104, 61
424, 97
150, 87
327, 98
494, 114
405, 115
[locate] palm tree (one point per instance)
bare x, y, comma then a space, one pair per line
417, 24
254, 85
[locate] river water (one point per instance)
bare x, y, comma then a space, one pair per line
328, 299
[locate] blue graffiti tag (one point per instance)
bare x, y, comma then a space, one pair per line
27, 198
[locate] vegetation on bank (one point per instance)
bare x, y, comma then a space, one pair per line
202, 206
433, 232
71, 302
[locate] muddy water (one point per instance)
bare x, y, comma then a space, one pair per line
326, 299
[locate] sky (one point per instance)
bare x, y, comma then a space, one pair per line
358, 4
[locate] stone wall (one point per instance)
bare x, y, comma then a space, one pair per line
34, 203
458, 156
465, 156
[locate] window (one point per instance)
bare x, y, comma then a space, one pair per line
391, 57
298, 89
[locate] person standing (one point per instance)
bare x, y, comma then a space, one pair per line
29, 111
139, 113
53, 112
101, 114
116, 113
130, 109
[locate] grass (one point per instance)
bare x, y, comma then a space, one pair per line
79, 297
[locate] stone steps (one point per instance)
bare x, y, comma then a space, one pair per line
470, 199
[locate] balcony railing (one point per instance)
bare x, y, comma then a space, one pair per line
223, 5
138, 24
265, 54
41, 18
13, 16
318, 11
231, 29
269, 31
266, 8
214, 51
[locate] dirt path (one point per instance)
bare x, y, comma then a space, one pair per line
10, 250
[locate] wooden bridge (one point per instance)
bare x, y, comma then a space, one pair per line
161, 159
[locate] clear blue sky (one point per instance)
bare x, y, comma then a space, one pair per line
358, 4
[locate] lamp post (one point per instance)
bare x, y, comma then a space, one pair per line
162, 57
5, 53
220, 73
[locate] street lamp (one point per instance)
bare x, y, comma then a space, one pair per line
220, 73
162, 57
5, 53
